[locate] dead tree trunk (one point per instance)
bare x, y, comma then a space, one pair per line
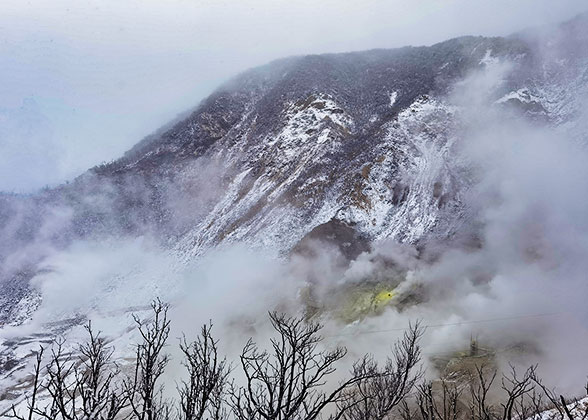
381, 390
288, 383
142, 390
202, 394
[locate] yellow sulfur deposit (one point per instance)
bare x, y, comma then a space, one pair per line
383, 298
356, 301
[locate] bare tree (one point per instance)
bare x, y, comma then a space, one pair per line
576, 410
380, 390
530, 406
433, 405
522, 401
289, 382
61, 385
204, 392
480, 385
32, 399
143, 391
101, 399
77, 388
516, 388
84, 387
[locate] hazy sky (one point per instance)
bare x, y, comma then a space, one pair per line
81, 81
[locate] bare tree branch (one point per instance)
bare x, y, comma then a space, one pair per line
143, 392
380, 390
204, 392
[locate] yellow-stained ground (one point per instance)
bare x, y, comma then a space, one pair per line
361, 300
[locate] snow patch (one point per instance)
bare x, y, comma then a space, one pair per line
522, 95
488, 59
393, 97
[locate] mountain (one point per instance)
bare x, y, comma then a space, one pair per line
357, 141
346, 149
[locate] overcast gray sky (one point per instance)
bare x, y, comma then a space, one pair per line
81, 81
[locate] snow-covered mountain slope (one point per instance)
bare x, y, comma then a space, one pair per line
361, 138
